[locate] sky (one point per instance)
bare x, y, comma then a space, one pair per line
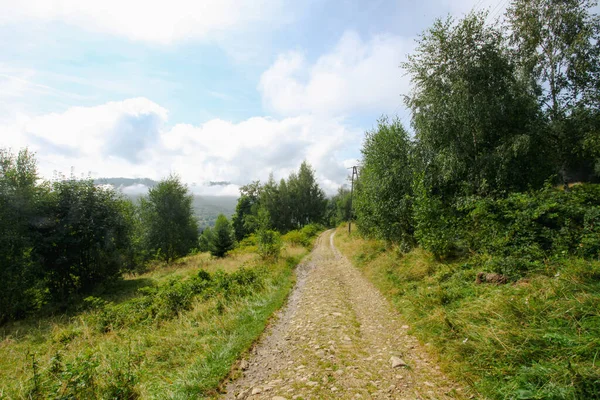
227, 90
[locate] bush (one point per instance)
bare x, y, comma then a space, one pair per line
269, 244
436, 226
535, 225
166, 301
311, 230
221, 237
296, 237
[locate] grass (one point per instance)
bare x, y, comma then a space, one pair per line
171, 332
538, 338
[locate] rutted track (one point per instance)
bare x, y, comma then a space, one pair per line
335, 339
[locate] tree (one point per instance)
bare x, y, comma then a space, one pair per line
206, 240
284, 221
339, 207
477, 123
246, 206
271, 202
307, 199
290, 204
384, 197
171, 231
221, 236
268, 241
19, 199
242, 210
85, 237
557, 44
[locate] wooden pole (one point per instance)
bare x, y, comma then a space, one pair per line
354, 171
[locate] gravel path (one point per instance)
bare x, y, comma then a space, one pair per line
338, 337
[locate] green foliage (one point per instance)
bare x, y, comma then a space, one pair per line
206, 240
163, 302
304, 236
176, 337
85, 238
221, 237
339, 207
477, 122
242, 210
170, 228
384, 195
269, 244
526, 228
291, 204
308, 199
435, 224
19, 198
556, 45
536, 339
296, 237
85, 377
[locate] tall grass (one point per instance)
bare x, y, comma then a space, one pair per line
538, 338
173, 332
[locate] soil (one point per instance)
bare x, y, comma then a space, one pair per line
338, 337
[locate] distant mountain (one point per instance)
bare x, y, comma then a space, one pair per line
218, 183
206, 208
125, 182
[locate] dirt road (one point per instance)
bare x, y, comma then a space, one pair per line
338, 338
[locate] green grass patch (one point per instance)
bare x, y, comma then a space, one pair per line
536, 338
173, 332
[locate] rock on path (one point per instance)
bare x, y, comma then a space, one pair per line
338, 338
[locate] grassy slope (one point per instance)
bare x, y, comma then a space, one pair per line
536, 339
184, 356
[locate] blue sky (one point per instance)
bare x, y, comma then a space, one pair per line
228, 90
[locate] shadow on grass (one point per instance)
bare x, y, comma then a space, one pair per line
53, 313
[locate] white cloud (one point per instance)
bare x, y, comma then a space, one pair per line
160, 22
358, 75
130, 139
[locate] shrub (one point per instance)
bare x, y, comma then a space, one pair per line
221, 240
436, 226
269, 244
296, 237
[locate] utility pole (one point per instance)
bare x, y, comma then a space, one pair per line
354, 172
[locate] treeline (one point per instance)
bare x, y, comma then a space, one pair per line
67, 237
505, 118
60, 240
266, 211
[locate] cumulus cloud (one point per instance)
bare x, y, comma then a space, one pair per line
160, 22
131, 139
357, 75
120, 129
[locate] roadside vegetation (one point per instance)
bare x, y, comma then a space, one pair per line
172, 332
104, 298
482, 225
535, 338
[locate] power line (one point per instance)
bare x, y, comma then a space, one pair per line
499, 7
477, 5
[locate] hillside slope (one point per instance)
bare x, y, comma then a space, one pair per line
538, 338
173, 332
